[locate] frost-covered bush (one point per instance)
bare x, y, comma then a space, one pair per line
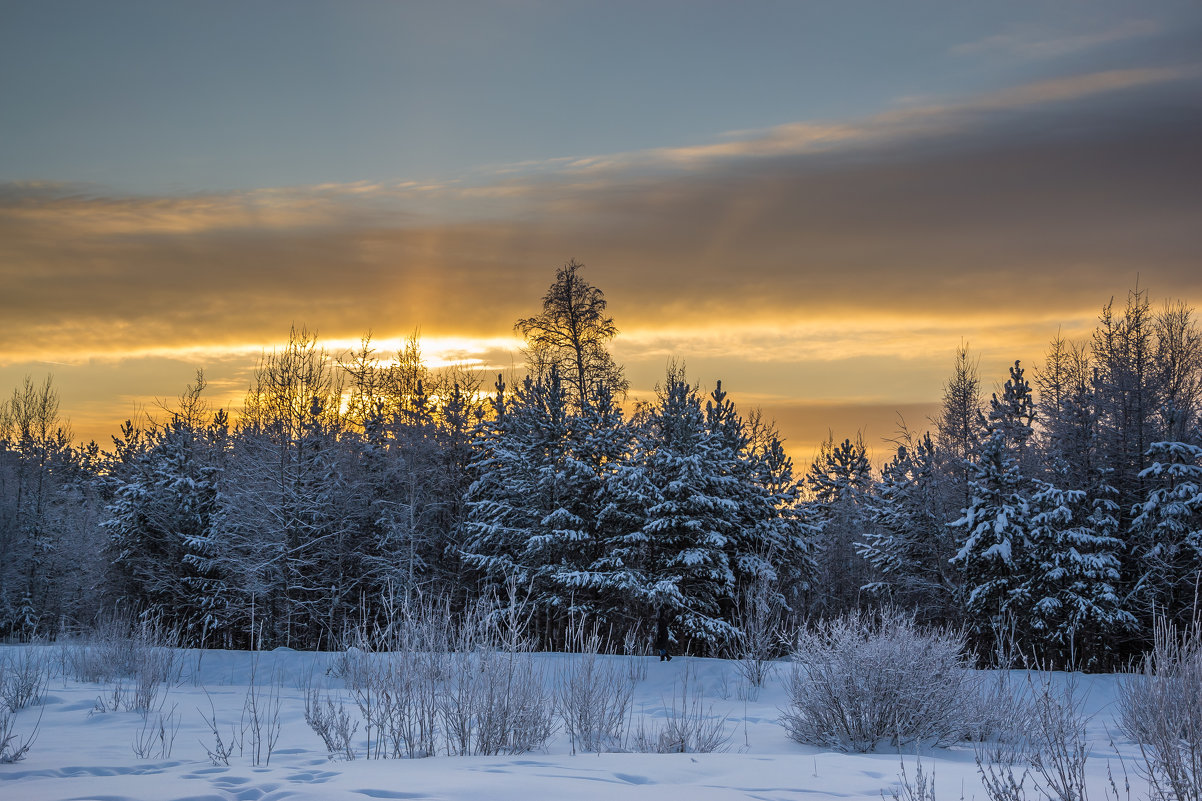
13, 747
426, 684
1161, 709
23, 676
1058, 747
593, 697
119, 647
332, 723
862, 680
690, 726
998, 714
759, 642
1044, 745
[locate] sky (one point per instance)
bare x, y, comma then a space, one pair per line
816, 203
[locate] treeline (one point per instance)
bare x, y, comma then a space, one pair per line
1058, 520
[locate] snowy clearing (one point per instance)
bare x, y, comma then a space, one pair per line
83, 753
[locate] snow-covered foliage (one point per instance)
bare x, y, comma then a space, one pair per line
1160, 710
909, 544
1059, 527
859, 681
838, 515
1170, 522
995, 550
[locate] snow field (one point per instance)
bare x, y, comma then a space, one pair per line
83, 753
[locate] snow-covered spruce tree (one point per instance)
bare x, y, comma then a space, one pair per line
758, 539
671, 522
1073, 568
1170, 524
780, 544
909, 544
837, 516
160, 512
529, 513
994, 554
1076, 542
604, 439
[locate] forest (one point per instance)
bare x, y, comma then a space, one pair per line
1059, 517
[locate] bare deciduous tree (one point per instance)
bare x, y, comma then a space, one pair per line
572, 332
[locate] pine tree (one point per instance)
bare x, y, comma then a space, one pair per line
994, 554
1072, 606
671, 520
1170, 525
837, 516
163, 499
909, 544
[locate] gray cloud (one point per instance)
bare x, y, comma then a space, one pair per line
1041, 201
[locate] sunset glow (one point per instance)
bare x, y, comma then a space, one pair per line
814, 210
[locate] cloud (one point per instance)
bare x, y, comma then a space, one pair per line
802, 138
1035, 43
839, 261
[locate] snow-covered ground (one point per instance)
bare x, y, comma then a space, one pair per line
81, 753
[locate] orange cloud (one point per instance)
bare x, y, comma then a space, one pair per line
838, 263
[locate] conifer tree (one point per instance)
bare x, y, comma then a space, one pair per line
1169, 523
673, 521
164, 495
995, 551
910, 544
1072, 608
959, 426
529, 514
837, 516
784, 565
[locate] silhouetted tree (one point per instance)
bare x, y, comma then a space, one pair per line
572, 333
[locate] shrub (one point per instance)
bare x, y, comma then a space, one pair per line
12, 747
469, 686
1160, 709
997, 713
119, 647
759, 642
23, 676
690, 727
332, 723
860, 680
593, 697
